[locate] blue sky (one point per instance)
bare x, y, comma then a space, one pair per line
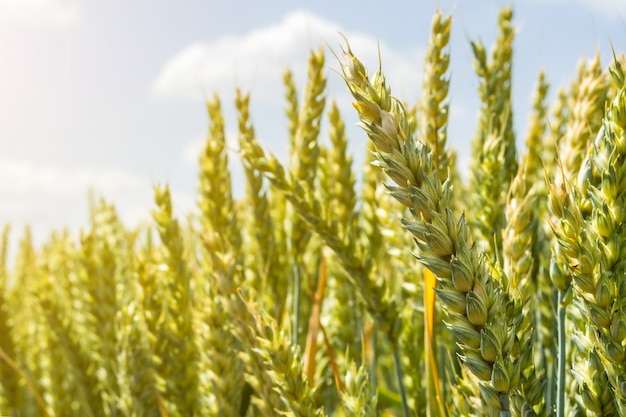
109, 95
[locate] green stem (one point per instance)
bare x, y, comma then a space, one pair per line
296, 305
560, 381
374, 363
400, 376
549, 362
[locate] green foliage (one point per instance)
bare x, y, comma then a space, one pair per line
417, 292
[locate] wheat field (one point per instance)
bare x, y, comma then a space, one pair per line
397, 288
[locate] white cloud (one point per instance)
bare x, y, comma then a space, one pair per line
38, 12
25, 177
50, 197
256, 60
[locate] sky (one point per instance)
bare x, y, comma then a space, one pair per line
108, 97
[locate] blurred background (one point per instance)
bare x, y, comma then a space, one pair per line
108, 97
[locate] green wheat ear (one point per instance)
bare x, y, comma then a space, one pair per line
597, 289
435, 107
357, 397
477, 304
175, 338
283, 364
494, 154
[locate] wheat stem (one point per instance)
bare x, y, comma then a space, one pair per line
562, 341
297, 290
397, 365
